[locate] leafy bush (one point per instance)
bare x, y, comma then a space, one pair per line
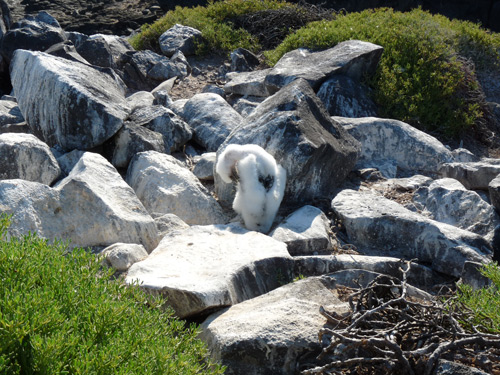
64, 315
423, 77
484, 303
213, 21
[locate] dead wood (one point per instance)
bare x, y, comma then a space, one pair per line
390, 332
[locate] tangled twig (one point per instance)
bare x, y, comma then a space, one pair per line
389, 331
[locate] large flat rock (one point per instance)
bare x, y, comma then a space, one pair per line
353, 58
210, 267
67, 103
372, 221
268, 334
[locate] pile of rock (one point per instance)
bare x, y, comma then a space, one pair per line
90, 152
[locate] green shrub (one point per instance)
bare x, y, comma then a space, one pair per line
64, 315
422, 77
213, 21
484, 303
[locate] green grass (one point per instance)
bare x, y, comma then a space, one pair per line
63, 314
422, 78
214, 23
484, 303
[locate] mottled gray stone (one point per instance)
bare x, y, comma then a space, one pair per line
24, 156
208, 267
67, 103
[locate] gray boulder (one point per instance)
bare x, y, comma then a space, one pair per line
245, 105
107, 51
174, 130
352, 58
269, 335
10, 113
122, 255
305, 231
316, 265
93, 206
136, 68
179, 38
494, 192
164, 186
242, 60
247, 83
167, 223
375, 222
295, 128
210, 267
140, 99
473, 175
24, 156
35, 33
211, 118
177, 66
346, 97
132, 139
204, 166
386, 140
67, 51
448, 201
67, 103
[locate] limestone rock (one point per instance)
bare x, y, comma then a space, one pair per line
67, 103
105, 50
136, 68
204, 166
164, 186
175, 131
346, 97
247, 83
494, 192
93, 206
391, 140
132, 139
473, 175
242, 60
36, 33
305, 231
372, 221
316, 265
122, 255
208, 267
245, 105
211, 118
269, 334
295, 128
167, 223
179, 38
448, 201
140, 99
10, 113
24, 156
352, 58
67, 51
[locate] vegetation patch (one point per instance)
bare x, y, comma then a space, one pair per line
63, 314
483, 304
426, 74
219, 33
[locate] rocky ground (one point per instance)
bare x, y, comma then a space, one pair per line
118, 17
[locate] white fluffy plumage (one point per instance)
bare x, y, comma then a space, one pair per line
260, 187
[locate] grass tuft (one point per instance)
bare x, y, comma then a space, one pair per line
484, 303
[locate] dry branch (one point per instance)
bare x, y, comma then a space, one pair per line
389, 332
